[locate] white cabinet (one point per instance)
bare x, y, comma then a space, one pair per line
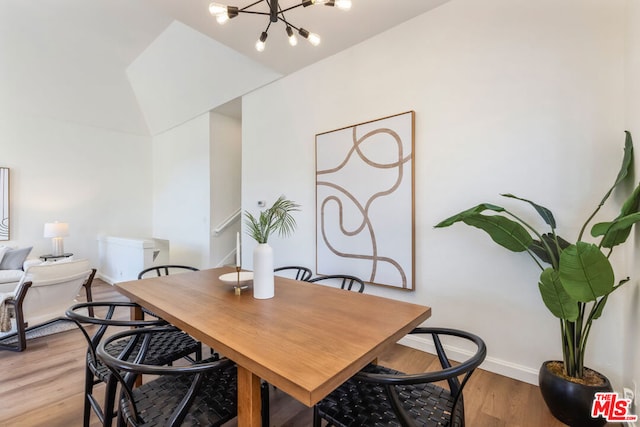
122, 258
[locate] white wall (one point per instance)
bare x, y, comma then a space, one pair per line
632, 295
181, 191
510, 96
97, 180
226, 150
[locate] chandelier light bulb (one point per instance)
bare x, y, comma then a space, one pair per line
343, 4
217, 9
314, 39
293, 40
260, 44
222, 18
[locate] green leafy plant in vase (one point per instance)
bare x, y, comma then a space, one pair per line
576, 279
276, 219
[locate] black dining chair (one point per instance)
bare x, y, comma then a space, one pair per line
165, 270
202, 393
380, 396
347, 282
295, 272
164, 349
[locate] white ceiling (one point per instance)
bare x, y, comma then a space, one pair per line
122, 29
80, 49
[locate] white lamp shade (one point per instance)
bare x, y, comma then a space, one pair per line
56, 229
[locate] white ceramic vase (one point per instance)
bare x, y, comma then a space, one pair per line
263, 286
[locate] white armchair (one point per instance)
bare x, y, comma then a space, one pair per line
43, 295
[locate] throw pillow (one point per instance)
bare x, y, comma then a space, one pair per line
3, 250
14, 258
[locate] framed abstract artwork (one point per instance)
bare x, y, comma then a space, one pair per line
4, 203
365, 201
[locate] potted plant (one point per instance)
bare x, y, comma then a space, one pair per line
276, 219
575, 282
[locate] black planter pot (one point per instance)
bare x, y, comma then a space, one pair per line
570, 402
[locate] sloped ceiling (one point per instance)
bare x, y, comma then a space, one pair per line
68, 59
205, 75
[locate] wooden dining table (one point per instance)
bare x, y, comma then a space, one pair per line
306, 340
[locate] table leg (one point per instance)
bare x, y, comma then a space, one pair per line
136, 313
248, 399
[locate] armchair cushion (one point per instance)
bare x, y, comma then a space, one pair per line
10, 279
10, 276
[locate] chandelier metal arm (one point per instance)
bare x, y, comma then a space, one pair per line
292, 7
252, 12
289, 24
244, 9
269, 3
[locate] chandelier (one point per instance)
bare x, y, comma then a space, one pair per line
275, 13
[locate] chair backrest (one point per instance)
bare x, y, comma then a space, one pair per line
116, 313
53, 289
449, 372
164, 270
295, 272
345, 281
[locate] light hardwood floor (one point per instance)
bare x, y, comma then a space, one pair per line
43, 386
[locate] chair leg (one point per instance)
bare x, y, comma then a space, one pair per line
264, 397
109, 401
22, 337
21, 332
88, 389
316, 417
20, 328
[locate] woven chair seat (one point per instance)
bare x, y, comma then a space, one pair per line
214, 404
164, 349
378, 396
358, 403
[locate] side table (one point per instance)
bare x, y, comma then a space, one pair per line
54, 257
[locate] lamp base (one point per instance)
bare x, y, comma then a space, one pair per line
58, 246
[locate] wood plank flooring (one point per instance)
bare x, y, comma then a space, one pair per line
43, 386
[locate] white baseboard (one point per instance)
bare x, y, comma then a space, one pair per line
497, 366
107, 279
